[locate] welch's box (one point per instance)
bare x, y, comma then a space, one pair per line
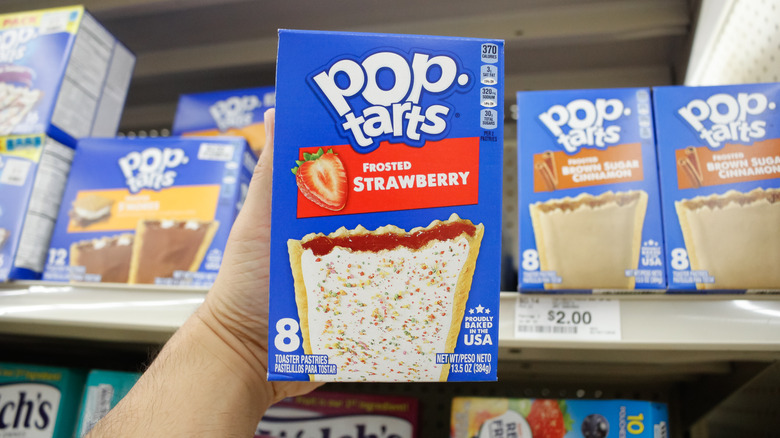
476, 417
386, 225
103, 390
323, 413
589, 209
229, 112
149, 211
719, 152
38, 401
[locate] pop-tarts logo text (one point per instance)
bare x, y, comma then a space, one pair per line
382, 96
582, 123
13, 43
723, 117
234, 112
151, 168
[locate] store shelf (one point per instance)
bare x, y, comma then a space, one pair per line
660, 328
114, 313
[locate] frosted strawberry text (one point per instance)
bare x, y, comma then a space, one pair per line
585, 121
392, 87
723, 117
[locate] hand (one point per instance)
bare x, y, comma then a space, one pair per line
238, 302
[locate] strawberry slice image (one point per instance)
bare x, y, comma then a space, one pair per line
548, 419
322, 179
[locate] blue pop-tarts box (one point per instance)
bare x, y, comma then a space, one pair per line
61, 74
226, 112
386, 220
39, 401
589, 208
565, 418
102, 391
719, 158
33, 173
149, 210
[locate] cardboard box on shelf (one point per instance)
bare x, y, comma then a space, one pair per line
230, 112
386, 227
62, 77
719, 159
323, 413
564, 418
589, 206
39, 401
149, 211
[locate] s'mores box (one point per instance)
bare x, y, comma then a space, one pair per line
62, 74
231, 112
386, 225
149, 211
589, 207
719, 157
38, 401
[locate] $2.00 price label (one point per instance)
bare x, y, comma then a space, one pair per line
579, 319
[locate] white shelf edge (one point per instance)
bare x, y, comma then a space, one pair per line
726, 326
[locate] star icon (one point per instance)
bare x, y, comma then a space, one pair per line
471, 311
487, 311
480, 309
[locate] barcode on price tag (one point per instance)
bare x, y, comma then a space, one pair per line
576, 319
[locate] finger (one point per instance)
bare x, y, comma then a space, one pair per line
254, 220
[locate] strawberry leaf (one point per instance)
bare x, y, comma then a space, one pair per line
568, 422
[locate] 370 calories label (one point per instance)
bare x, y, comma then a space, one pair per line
399, 177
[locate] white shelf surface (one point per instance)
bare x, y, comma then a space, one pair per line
95, 312
730, 326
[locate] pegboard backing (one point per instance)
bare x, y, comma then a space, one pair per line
753, 411
742, 44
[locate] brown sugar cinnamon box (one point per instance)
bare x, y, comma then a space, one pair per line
589, 205
149, 211
386, 221
719, 158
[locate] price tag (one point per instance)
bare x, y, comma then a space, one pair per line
571, 319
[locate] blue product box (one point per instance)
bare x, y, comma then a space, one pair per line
149, 211
103, 390
62, 74
589, 208
719, 158
564, 418
62, 77
38, 401
386, 226
33, 173
230, 112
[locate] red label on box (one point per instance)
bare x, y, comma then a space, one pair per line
393, 177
